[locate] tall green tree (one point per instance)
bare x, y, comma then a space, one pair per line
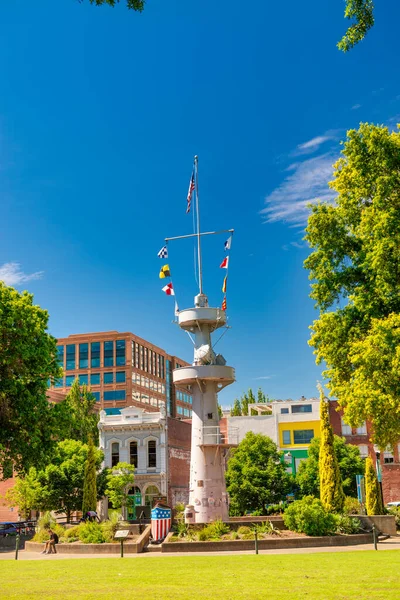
255, 475
330, 481
355, 266
119, 480
362, 13
28, 358
89, 501
350, 465
236, 410
78, 417
373, 498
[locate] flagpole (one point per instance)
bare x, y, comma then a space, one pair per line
196, 160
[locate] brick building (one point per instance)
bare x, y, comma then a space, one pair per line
122, 370
389, 460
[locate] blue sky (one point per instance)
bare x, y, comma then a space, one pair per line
101, 112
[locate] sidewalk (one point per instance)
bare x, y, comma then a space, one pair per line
390, 544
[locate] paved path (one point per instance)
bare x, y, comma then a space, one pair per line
390, 544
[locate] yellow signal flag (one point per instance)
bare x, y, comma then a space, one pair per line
165, 272
224, 284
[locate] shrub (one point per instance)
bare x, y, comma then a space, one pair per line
309, 516
203, 536
59, 530
41, 536
267, 528
91, 533
234, 535
213, 531
276, 509
179, 510
245, 532
348, 525
395, 510
72, 532
351, 506
182, 529
110, 526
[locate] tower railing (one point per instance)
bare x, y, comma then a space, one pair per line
213, 435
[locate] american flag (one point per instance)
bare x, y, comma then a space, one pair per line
160, 522
190, 192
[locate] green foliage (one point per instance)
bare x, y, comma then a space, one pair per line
355, 265
351, 506
26, 493
137, 5
241, 406
362, 11
347, 525
395, 511
330, 483
245, 532
77, 416
276, 509
234, 535
72, 532
91, 533
373, 500
46, 521
236, 411
255, 475
119, 479
28, 358
350, 465
90, 485
110, 526
309, 516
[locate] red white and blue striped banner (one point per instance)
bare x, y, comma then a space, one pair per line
160, 522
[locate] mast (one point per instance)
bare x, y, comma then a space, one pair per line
196, 174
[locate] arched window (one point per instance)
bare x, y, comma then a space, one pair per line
133, 454
151, 454
151, 492
114, 454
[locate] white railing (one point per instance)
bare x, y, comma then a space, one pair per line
212, 435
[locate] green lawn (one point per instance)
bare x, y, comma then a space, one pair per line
365, 575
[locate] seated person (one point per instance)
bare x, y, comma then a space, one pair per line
50, 545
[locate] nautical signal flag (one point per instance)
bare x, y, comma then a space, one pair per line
163, 252
168, 289
228, 243
224, 303
225, 262
190, 192
165, 272
224, 284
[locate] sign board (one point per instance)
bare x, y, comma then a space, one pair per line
122, 534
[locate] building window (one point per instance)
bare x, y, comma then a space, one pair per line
83, 356
362, 430
70, 366
120, 353
108, 354
114, 454
109, 377
301, 408
363, 448
388, 457
303, 436
151, 493
284, 411
137, 357
97, 396
141, 357
83, 379
95, 379
133, 454
151, 454
95, 354
286, 437
60, 355
59, 382
346, 429
69, 380
120, 377
114, 395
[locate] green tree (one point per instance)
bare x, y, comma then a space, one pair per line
255, 475
261, 397
28, 358
62, 481
236, 411
373, 500
119, 480
330, 482
77, 414
350, 465
362, 11
355, 266
90, 480
137, 5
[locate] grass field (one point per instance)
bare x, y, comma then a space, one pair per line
338, 576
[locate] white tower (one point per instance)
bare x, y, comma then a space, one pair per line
205, 378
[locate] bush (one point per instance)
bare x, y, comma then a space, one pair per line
72, 532
245, 532
234, 535
91, 533
276, 509
179, 511
351, 506
395, 510
110, 526
309, 516
348, 525
213, 531
41, 536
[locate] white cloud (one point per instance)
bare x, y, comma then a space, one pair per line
11, 274
355, 106
307, 184
264, 377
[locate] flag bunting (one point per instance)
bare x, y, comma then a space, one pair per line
168, 289
223, 307
224, 284
163, 252
224, 264
165, 272
227, 244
